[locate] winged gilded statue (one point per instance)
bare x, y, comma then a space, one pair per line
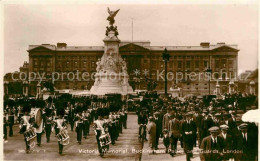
111, 16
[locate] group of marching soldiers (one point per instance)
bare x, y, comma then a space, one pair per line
217, 131
57, 115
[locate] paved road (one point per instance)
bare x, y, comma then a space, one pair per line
126, 147
160, 154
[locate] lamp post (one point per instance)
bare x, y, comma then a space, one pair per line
209, 72
166, 57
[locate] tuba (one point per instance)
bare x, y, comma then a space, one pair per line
63, 137
30, 136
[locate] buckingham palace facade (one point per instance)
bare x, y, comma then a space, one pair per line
143, 61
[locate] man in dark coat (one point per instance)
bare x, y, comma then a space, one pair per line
245, 143
158, 123
211, 148
174, 133
71, 116
206, 124
188, 129
228, 142
229, 122
142, 119
197, 118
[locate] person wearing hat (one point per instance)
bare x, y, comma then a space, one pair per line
99, 126
79, 123
188, 129
158, 122
11, 112
228, 142
86, 121
166, 119
60, 124
142, 120
5, 124
217, 119
151, 130
246, 143
25, 124
197, 119
174, 133
39, 128
206, 123
211, 148
229, 122
48, 123
71, 116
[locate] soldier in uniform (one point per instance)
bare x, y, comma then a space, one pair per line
5, 125
86, 122
39, 128
112, 128
11, 120
71, 116
25, 124
211, 148
79, 124
125, 117
48, 124
99, 129
60, 124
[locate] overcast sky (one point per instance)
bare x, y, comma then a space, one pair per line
165, 25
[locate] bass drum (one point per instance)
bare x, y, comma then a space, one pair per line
37, 114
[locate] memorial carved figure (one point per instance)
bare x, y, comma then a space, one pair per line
111, 17
98, 65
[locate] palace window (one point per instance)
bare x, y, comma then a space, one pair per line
59, 64
197, 64
170, 64
75, 64
35, 63
179, 64
68, 64
230, 63
84, 64
205, 64
92, 64
217, 63
224, 61
187, 64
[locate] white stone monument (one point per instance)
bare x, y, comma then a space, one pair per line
111, 75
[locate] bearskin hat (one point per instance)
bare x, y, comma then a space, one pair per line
48, 111
26, 107
100, 112
60, 111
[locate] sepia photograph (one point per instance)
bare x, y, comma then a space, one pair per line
133, 82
